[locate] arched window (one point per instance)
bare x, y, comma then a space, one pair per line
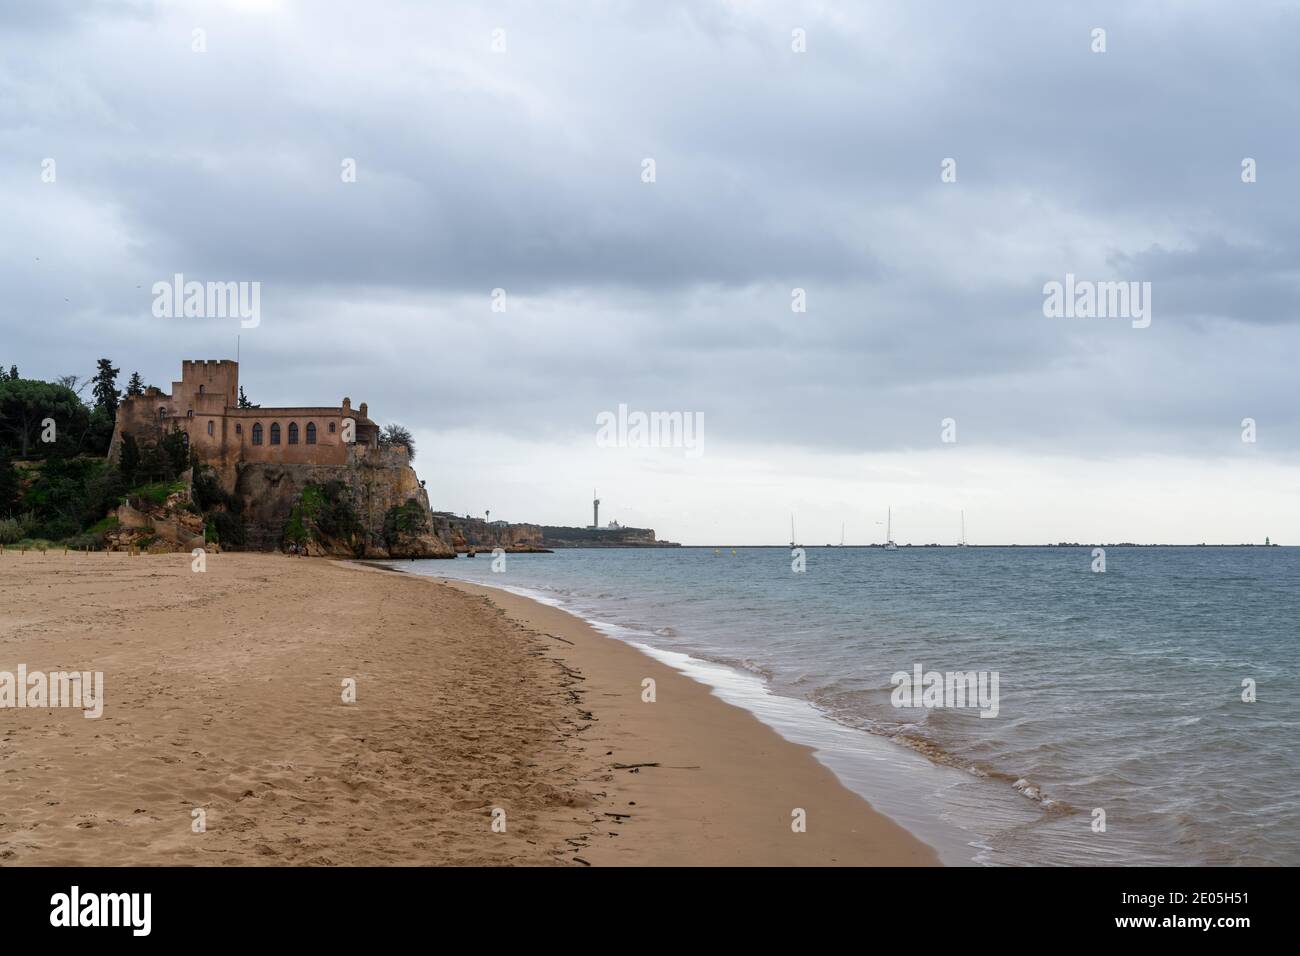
201, 388
162, 413
275, 433
211, 428
293, 433
185, 440
331, 428
257, 433
311, 433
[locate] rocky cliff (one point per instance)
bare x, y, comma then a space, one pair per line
474, 534
561, 537
371, 507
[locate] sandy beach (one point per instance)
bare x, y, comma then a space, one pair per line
486, 729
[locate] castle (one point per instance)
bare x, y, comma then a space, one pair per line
204, 405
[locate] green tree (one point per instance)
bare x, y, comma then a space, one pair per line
394, 435
408, 518
154, 465
135, 386
106, 393
243, 400
10, 490
176, 449
61, 497
25, 404
103, 490
129, 459
99, 433
13, 373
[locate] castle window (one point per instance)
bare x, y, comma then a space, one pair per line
331, 428
311, 433
257, 433
185, 440
293, 433
190, 413
275, 433
239, 429
211, 428
162, 413
201, 387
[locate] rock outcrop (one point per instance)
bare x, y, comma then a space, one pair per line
560, 537
169, 526
390, 505
466, 534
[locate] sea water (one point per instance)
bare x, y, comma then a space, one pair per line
1121, 734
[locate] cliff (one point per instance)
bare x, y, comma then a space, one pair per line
474, 534
561, 537
373, 506
464, 534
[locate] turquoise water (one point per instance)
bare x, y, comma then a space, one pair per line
1119, 691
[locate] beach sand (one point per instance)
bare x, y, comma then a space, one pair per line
224, 694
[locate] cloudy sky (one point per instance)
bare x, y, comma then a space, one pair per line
503, 146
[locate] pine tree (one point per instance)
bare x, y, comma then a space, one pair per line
135, 386
243, 399
106, 393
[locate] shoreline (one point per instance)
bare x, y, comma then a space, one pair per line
727, 783
933, 801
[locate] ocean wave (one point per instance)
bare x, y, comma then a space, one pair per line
914, 735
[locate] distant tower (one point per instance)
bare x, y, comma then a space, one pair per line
595, 509
488, 515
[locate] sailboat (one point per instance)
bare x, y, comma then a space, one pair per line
889, 531
841, 544
792, 537
962, 542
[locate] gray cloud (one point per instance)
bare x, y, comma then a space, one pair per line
775, 170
